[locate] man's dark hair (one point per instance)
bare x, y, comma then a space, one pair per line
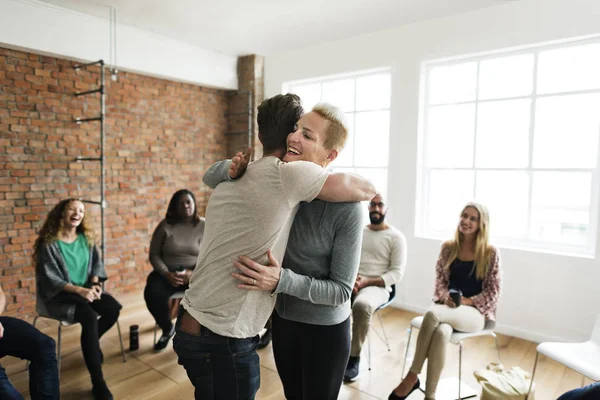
276, 119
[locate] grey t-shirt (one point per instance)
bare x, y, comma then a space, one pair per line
321, 263
174, 245
247, 216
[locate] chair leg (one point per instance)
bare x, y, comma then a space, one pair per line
155, 326
385, 339
533, 374
497, 348
58, 349
582, 380
121, 340
369, 347
460, 347
406, 354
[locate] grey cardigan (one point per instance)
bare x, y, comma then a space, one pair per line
51, 277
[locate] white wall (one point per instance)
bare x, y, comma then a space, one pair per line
545, 297
42, 28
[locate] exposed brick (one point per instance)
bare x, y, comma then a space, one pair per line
160, 137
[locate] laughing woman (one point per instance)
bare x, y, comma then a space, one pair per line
467, 264
69, 273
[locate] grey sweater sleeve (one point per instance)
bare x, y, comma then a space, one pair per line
345, 258
217, 173
155, 252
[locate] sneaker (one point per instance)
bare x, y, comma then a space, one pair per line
101, 392
352, 369
164, 339
265, 340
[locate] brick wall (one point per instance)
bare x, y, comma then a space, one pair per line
160, 137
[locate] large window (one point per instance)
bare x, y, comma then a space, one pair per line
365, 99
517, 131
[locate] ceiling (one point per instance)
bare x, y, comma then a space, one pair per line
239, 27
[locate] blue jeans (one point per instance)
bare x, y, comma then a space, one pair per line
24, 341
590, 392
219, 367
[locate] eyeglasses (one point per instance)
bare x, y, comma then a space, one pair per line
373, 205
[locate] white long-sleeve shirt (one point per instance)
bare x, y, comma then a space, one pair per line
383, 255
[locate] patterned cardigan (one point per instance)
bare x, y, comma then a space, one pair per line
51, 277
487, 300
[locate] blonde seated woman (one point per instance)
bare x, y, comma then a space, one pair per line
469, 264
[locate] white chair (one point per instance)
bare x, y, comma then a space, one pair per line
384, 339
456, 338
42, 312
174, 296
583, 358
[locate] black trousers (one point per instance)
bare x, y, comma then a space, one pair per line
311, 359
157, 293
92, 327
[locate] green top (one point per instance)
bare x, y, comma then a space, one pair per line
77, 258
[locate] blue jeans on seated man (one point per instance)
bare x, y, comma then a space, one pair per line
590, 392
219, 367
22, 340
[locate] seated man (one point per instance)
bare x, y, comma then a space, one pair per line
20, 339
382, 263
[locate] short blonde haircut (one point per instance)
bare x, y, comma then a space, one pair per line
337, 132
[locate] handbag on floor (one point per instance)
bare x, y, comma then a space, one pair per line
500, 384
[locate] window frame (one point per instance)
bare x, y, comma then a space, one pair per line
289, 87
424, 172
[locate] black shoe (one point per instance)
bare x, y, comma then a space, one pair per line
352, 369
101, 392
394, 396
265, 340
164, 339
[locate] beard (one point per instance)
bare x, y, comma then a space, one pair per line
376, 218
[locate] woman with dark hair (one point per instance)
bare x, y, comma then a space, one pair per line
69, 273
173, 252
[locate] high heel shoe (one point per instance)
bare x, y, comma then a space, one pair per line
394, 396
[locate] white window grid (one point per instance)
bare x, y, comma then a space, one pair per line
351, 116
424, 172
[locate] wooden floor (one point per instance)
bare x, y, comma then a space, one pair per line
154, 376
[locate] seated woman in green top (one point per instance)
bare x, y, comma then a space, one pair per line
69, 273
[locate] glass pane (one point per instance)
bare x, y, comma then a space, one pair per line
309, 94
373, 92
506, 77
448, 193
450, 131
454, 83
560, 207
562, 189
346, 157
571, 68
379, 178
503, 134
372, 139
339, 93
506, 195
566, 131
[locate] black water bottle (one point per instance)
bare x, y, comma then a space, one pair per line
134, 342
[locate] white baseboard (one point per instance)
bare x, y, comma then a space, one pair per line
503, 329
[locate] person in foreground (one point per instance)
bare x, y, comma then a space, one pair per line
469, 264
217, 330
173, 252
590, 392
311, 322
69, 276
20, 339
382, 263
